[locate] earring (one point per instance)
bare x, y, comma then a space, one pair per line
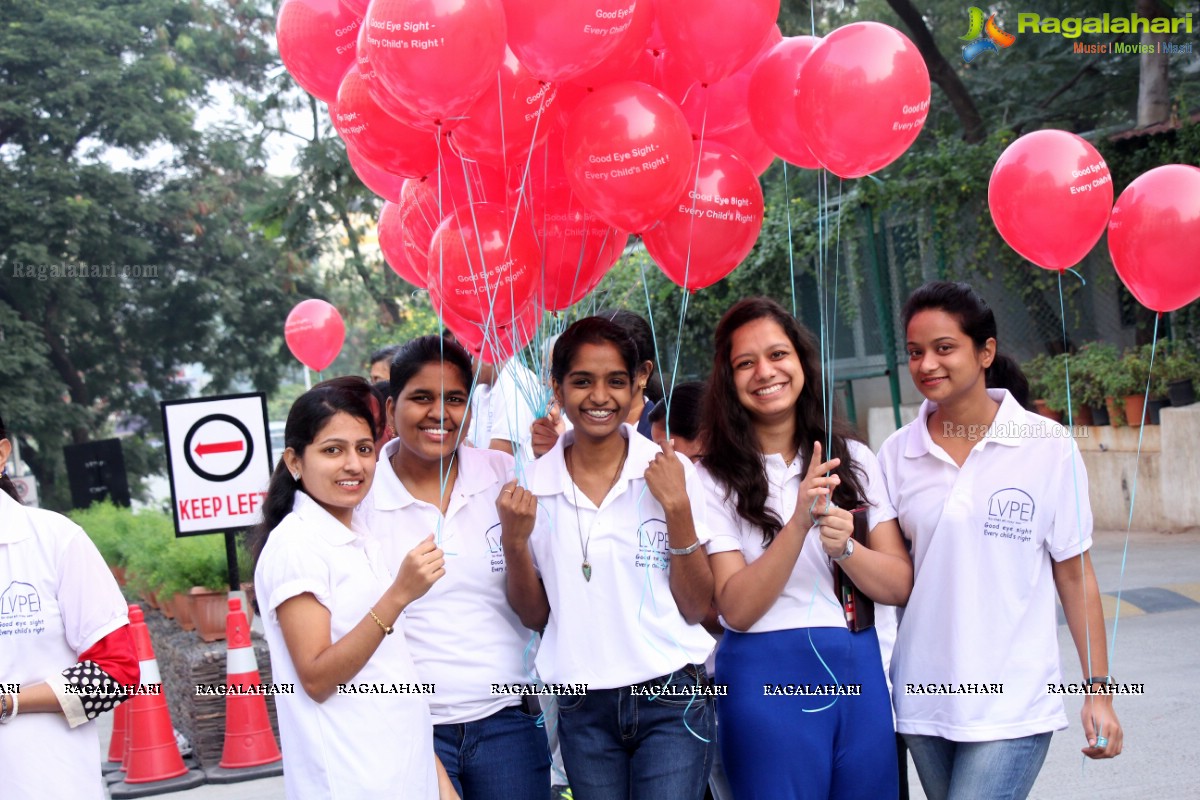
296, 476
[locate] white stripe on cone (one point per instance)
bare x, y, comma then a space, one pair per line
240, 661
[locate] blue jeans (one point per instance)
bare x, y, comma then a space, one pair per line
998, 770
501, 757
618, 745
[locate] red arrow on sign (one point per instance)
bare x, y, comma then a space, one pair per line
220, 447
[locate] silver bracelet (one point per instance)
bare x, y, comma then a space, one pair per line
684, 551
5, 713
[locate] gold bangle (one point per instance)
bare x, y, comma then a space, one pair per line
387, 629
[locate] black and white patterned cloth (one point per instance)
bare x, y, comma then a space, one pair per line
95, 688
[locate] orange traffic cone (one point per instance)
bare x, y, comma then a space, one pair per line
153, 754
250, 751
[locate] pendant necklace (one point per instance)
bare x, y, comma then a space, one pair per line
586, 566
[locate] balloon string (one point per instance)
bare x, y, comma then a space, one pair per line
654, 337
1087, 628
1112, 645
787, 202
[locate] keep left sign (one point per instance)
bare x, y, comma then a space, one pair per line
219, 459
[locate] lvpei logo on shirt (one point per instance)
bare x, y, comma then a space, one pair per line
1010, 515
984, 36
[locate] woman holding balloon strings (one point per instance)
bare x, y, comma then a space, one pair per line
463, 635
780, 515
331, 606
994, 503
604, 552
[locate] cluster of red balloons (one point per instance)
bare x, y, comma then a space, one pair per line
519, 142
1051, 199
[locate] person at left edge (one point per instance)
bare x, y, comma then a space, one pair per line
463, 635
64, 641
604, 549
359, 725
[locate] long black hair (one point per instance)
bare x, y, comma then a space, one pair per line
727, 424
6, 484
412, 356
687, 400
592, 330
310, 412
978, 322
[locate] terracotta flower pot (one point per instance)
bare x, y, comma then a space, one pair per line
249, 606
1134, 406
118, 575
1115, 416
209, 609
182, 603
1083, 415
1044, 410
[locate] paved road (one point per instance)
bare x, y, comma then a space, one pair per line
1157, 644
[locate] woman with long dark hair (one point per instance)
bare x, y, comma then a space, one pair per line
994, 503
66, 654
359, 723
464, 637
781, 520
603, 548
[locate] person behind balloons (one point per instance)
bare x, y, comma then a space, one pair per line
994, 503
330, 607
604, 551
66, 653
464, 636
779, 507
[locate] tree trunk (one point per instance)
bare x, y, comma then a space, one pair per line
1154, 88
941, 71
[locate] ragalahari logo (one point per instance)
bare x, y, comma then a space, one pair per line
984, 36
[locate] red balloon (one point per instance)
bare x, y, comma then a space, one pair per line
395, 245
314, 332
379, 137
712, 226
746, 143
862, 99
509, 119
316, 44
773, 88
1153, 236
715, 38
724, 105
356, 7
382, 183
1050, 195
386, 100
561, 39
436, 56
481, 265
628, 151
618, 65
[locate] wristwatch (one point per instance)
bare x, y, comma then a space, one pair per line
849, 551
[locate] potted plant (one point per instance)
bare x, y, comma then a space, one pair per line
1087, 370
1040, 370
147, 538
1136, 362
1180, 370
208, 575
1117, 382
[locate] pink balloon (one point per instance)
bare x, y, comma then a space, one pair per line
773, 89
379, 137
436, 56
562, 39
1050, 196
356, 7
715, 38
314, 332
628, 153
316, 44
509, 119
394, 244
724, 105
863, 98
1153, 237
618, 64
712, 226
746, 143
382, 183
385, 99
481, 265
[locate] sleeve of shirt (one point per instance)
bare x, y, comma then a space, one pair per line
91, 602
885, 493
512, 409
720, 517
1071, 531
289, 571
879, 504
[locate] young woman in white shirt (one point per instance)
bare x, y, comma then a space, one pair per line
463, 635
604, 551
780, 516
994, 503
358, 724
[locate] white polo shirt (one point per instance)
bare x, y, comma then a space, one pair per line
623, 626
982, 607
57, 599
354, 745
506, 409
463, 634
807, 599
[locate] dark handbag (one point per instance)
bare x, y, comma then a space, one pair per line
857, 607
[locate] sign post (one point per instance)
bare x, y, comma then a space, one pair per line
219, 461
